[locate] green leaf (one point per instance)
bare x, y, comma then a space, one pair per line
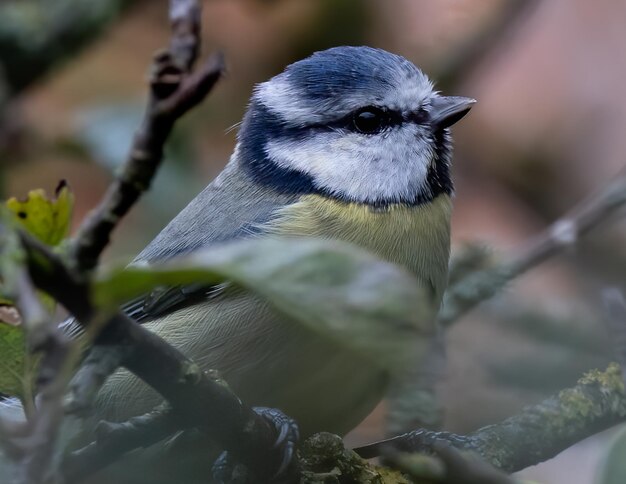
613, 469
333, 288
12, 359
46, 218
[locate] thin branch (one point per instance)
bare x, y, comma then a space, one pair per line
115, 440
538, 433
564, 233
174, 90
185, 20
99, 364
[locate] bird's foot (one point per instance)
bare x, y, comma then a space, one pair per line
225, 471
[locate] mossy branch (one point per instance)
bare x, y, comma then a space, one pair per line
538, 433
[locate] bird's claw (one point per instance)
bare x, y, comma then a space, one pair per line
225, 471
287, 439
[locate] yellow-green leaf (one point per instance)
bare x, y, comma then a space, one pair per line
46, 218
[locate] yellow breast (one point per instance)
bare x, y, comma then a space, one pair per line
415, 237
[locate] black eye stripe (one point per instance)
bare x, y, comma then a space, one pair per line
391, 119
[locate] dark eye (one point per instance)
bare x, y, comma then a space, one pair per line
370, 120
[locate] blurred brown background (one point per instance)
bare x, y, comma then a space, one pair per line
549, 128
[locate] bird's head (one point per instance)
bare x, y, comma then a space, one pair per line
357, 124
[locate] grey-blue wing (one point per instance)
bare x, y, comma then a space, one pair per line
233, 206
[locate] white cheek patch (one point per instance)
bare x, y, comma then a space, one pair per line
384, 168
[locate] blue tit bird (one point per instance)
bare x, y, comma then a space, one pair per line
352, 143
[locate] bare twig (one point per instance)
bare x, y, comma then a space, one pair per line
115, 440
174, 90
99, 364
564, 233
540, 432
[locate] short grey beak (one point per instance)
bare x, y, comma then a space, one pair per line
447, 110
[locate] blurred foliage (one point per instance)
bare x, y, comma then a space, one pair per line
333, 288
106, 132
37, 34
